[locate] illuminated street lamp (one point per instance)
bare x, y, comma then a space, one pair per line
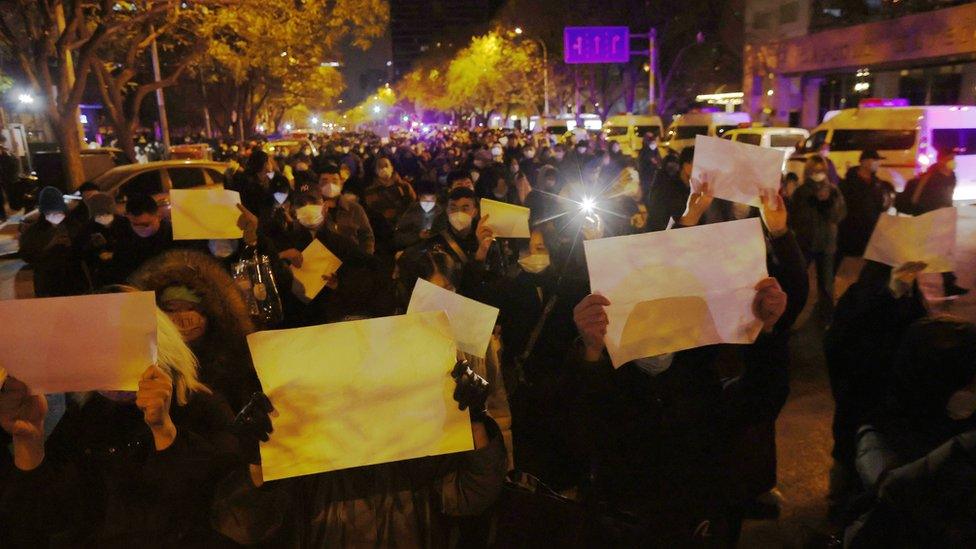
518, 30
288, 127
25, 98
376, 109
315, 120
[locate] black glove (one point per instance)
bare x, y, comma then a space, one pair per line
253, 424
470, 391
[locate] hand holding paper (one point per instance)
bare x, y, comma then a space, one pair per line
359, 393
80, 343
736, 171
209, 213
317, 266
472, 322
507, 220
929, 238
678, 289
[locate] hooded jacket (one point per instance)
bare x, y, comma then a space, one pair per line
225, 362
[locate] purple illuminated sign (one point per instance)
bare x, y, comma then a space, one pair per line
596, 45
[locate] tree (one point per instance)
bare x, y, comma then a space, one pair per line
122, 69
261, 46
55, 43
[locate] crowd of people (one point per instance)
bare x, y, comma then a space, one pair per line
672, 450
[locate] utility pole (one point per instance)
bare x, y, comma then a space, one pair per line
651, 71
160, 100
545, 75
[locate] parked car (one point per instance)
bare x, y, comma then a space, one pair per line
629, 130
783, 139
685, 127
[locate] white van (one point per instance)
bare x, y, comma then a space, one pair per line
685, 127
629, 130
906, 136
783, 139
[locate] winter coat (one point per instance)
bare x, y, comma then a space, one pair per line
659, 445
930, 502
47, 249
348, 219
667, 201
400, 504
103, 484
131, 250
815, 221
415, 220
91, 245
865, 201
936, 192
225, 362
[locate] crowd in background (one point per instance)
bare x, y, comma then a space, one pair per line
671, 450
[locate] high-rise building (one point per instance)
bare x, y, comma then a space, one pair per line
419, 26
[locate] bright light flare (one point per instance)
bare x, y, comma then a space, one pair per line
25, 98
587, 205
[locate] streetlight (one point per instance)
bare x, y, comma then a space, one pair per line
315, 120
25, 98
545, 70
376, 109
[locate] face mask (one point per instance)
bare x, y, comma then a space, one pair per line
581, 150
474, 176
427, 205
460, 220
559, 156
145, 232
331, 190
818, 177
280, 197
503, 140
496, 151
306, 152
652, 146
222, 248
54, 218
191, 323
951, 165
310, 216
270, 175
385, 173
961, 405
104, 220
529, 154
535, 263
655, 365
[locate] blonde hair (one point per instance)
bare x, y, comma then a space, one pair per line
177, 359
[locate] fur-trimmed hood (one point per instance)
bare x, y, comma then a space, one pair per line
221, 300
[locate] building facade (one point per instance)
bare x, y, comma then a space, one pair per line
858, 50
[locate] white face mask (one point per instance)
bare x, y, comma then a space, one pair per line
474, 176
331, 190
310, 216
104, 220
222, 248
529, 154
54, 218
503, 141
535, 263
460, 220
270, 175
427, 205
280, 197
653, 146
655, 365
961, 405
496, 151
818, 177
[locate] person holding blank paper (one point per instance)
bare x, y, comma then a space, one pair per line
120, 469
658, 430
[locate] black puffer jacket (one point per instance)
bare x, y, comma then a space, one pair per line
930, 502
103, 484
659, 445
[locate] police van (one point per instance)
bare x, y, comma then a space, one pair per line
629, 130
685, 127
907, 138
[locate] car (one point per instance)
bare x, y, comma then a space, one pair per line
907, 138
157, 178
783, 139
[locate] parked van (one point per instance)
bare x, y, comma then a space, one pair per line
629, 130
906, 136
685, 127
784, 139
